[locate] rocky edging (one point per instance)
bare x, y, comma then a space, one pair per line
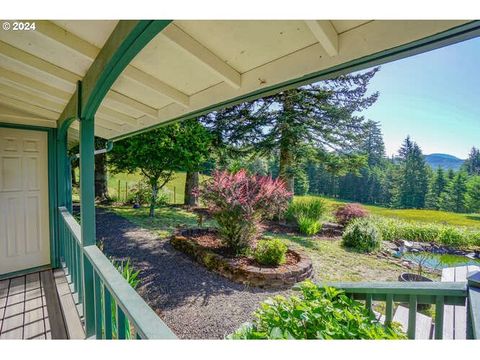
263, 277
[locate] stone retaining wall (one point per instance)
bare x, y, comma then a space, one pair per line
264, 277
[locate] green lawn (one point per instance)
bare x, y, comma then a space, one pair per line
427, 216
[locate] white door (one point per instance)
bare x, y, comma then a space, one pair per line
24, 217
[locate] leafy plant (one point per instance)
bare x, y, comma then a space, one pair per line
313, 208
362, 235
344, 214
306, 213
318, 313
270, 252
309, 226
128, 272
240, 202
141, 193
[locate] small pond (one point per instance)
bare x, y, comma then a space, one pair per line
440, 261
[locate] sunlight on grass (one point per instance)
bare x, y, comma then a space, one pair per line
166, 219
421, 215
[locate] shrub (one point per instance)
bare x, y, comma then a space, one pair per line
141, 193
362, 235
239, 202
344, 214
309, 226
313, 208
270, 252
306, 214
128, 272
319, 313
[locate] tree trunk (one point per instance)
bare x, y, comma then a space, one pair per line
153, 200
74, 177
287, 143
101, 186
191, 183
285, 172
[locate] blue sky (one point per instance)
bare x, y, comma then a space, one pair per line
433, 97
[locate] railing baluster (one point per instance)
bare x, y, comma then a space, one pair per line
368, 304
389, 309
120, 323
412, 316
98, 306
439, 309
107, 312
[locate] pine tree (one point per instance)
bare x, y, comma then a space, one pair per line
322, 116
454, 196
472, 198
472, 164
413, 184
436, 188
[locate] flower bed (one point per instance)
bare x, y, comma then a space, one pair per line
203, 246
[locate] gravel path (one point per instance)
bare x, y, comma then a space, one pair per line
194, 302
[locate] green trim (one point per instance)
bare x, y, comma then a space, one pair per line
448, 37
52, 186
126, 41
25, 272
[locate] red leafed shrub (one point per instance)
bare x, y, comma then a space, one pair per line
346, 213
239, 202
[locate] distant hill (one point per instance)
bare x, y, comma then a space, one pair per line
444, 161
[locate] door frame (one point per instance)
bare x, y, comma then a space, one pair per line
52, 193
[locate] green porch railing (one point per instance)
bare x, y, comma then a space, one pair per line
120, 313
415, 293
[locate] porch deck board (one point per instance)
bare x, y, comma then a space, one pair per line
455, 316
29, 308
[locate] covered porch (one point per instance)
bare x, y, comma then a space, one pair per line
73, 80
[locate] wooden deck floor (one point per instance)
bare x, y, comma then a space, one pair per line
29, 308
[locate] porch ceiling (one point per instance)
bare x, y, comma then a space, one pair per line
189, 66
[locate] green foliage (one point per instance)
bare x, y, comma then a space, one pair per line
318, 313
307, 213
160, 152
270, 252
141, 193
292, 122
413, 177
308, 226
362, 235
472, 198
128, 272
393, 229
310, 207
454, 196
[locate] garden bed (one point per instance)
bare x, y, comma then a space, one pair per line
204, 246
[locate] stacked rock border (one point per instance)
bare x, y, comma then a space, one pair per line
284, 276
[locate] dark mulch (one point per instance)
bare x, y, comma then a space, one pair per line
212, 242
194, 302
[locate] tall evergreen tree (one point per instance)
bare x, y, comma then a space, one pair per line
436, 188
472, 198
454, 196
413, 184
321, 116
472, 164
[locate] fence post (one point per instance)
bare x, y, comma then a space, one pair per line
118, 190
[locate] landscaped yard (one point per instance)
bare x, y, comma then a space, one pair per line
331, 261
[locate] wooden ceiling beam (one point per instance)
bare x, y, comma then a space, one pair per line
326, 35
181, 39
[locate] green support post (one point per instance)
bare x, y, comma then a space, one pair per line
87, 212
